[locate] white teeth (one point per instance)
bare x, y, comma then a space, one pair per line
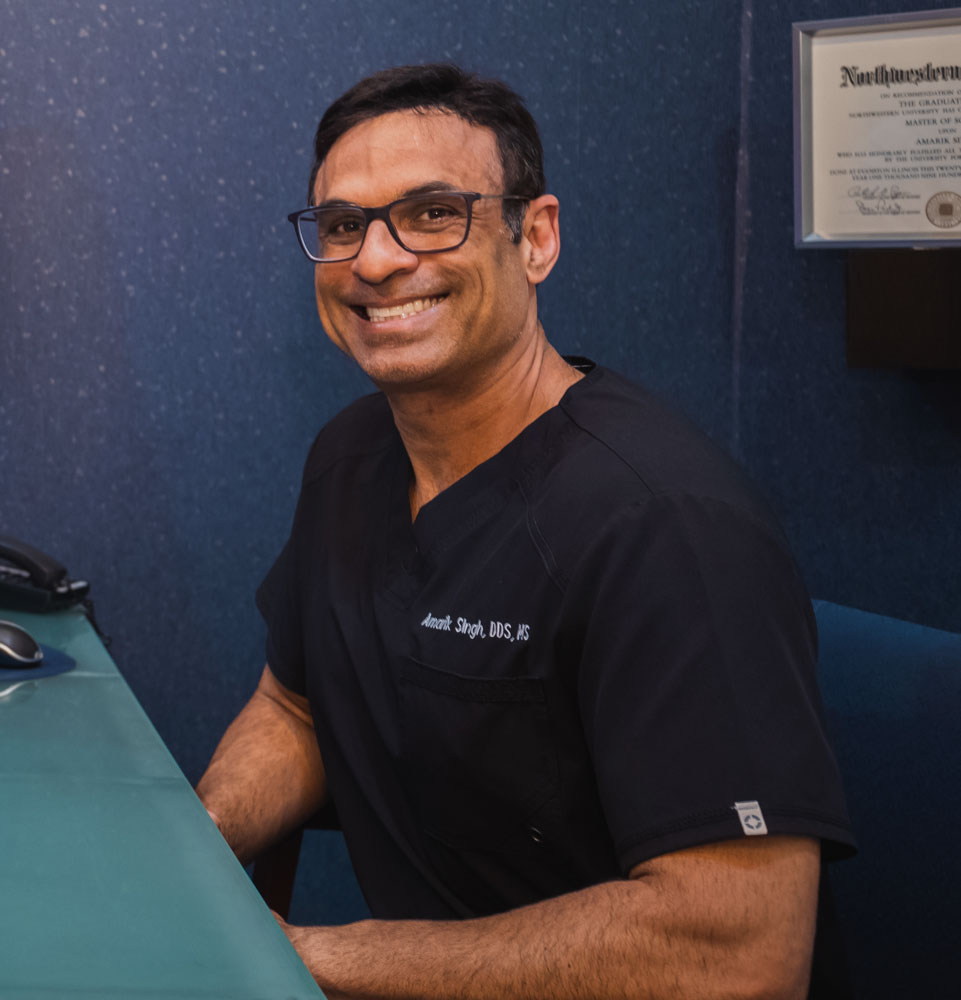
376, 315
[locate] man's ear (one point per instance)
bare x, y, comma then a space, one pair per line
541, 240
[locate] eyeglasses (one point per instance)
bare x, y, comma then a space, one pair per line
434, 222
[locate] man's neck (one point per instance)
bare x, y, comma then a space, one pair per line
447, 434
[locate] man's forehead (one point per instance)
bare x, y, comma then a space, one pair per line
402, 150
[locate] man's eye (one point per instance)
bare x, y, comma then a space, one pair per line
346, 226
341, 227
431, 213
439, 212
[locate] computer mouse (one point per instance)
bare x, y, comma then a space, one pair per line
18, 649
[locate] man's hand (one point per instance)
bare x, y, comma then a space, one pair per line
734, 919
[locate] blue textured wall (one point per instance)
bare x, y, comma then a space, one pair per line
163, 370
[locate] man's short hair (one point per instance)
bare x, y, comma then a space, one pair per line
443, 86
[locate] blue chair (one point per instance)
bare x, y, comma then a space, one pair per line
892, 695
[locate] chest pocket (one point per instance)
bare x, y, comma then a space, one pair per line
477, 760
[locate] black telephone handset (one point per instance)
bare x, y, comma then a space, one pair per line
30, 580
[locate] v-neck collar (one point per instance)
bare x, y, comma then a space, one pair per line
471, 500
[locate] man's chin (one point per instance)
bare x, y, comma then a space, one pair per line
396, 379
397, 370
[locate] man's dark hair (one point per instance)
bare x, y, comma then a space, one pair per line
445, 87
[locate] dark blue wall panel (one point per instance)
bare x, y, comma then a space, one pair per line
163, 370
864, 466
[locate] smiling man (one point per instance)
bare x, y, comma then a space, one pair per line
533, 635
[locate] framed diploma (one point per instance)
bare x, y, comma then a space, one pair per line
877, 131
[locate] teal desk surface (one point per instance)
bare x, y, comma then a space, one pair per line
114, 883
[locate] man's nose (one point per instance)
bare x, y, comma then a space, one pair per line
381, 255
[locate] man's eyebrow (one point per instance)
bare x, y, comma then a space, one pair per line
429, 187
336, 203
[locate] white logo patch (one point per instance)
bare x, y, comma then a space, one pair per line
752, 819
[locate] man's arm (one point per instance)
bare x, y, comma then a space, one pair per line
733, 920
266, 776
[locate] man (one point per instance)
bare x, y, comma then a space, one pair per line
533, 635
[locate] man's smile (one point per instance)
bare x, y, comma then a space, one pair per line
380, 314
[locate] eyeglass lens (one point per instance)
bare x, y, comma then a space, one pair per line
429, 222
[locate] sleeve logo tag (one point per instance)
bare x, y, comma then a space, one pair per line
752, 819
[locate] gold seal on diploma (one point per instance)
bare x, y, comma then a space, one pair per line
944, 209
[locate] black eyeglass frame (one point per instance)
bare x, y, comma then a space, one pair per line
382, 212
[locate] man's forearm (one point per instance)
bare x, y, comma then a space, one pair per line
636, 938
266, 776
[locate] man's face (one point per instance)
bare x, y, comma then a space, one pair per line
468, 311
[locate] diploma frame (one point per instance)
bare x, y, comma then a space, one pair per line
861, 33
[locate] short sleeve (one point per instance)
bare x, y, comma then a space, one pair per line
697, 682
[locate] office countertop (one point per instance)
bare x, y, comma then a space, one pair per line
113, 880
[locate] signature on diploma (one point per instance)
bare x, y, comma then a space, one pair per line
892, 193
880, 200
879, 207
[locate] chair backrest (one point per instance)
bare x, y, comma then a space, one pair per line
892, 694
